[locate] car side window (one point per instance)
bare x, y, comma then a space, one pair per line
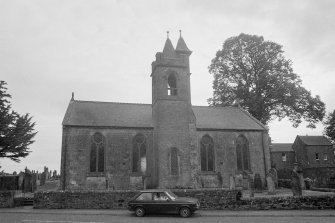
144, 197
160, 196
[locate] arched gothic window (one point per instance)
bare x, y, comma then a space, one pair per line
207, 153
172, 85
174, 161
139, 154
97, 156
242, 153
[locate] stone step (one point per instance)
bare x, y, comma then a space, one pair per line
28, 202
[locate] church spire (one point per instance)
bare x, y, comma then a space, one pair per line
181, 46
168, 47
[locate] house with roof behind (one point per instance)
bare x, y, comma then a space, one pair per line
283, 158
166, 144
315, 154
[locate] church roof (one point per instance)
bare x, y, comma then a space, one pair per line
232, 118
127, 115
108, 114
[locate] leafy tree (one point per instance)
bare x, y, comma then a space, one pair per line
330, 126
16, 131
254, 73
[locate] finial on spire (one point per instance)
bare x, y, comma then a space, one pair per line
72, 98
180, 33
167, 34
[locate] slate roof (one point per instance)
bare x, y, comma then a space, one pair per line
225, 118
281, 147
181, 45
107, 114
315, 140
168, 48
111, 114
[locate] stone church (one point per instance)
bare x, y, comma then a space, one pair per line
166, 144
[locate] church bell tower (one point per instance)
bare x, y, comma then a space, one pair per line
173, 117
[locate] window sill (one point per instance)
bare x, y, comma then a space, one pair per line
208, 173
136, 174
95, 174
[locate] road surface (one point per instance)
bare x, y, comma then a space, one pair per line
122, 216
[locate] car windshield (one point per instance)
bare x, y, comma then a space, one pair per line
171, 195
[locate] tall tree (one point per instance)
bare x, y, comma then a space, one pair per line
255, 74
330, 126
16, 131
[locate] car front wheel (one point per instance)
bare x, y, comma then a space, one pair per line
139, 212
185, 212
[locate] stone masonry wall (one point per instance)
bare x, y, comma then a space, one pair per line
118, 159
6, 199
225, 156
209, 199
285, 203
321, 177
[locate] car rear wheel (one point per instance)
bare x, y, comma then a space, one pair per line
139, 212
185, 212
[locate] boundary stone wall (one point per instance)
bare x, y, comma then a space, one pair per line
6, 199
286, 203
213, 199
209, 199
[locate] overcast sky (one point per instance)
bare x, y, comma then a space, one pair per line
102, 51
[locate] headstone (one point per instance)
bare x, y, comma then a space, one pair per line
34, 182
27, 183
258, 183
46, 172
220, 180
43, 179
251, 184
296, 182
271, 179
232, 185
271, 185
54, 174
21, 180
239, 180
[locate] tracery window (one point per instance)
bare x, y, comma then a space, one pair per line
172, 85
97, 156
174, 161
139, 153
242, 153
207, 153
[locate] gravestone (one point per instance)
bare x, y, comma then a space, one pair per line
271, 179
33, 182
296, 181
258, 183
27, 183
271, 185
232, 185
43, 179
54, 174
239, 180
251, 184
220, 179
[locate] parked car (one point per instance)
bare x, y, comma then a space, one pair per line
162, 201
